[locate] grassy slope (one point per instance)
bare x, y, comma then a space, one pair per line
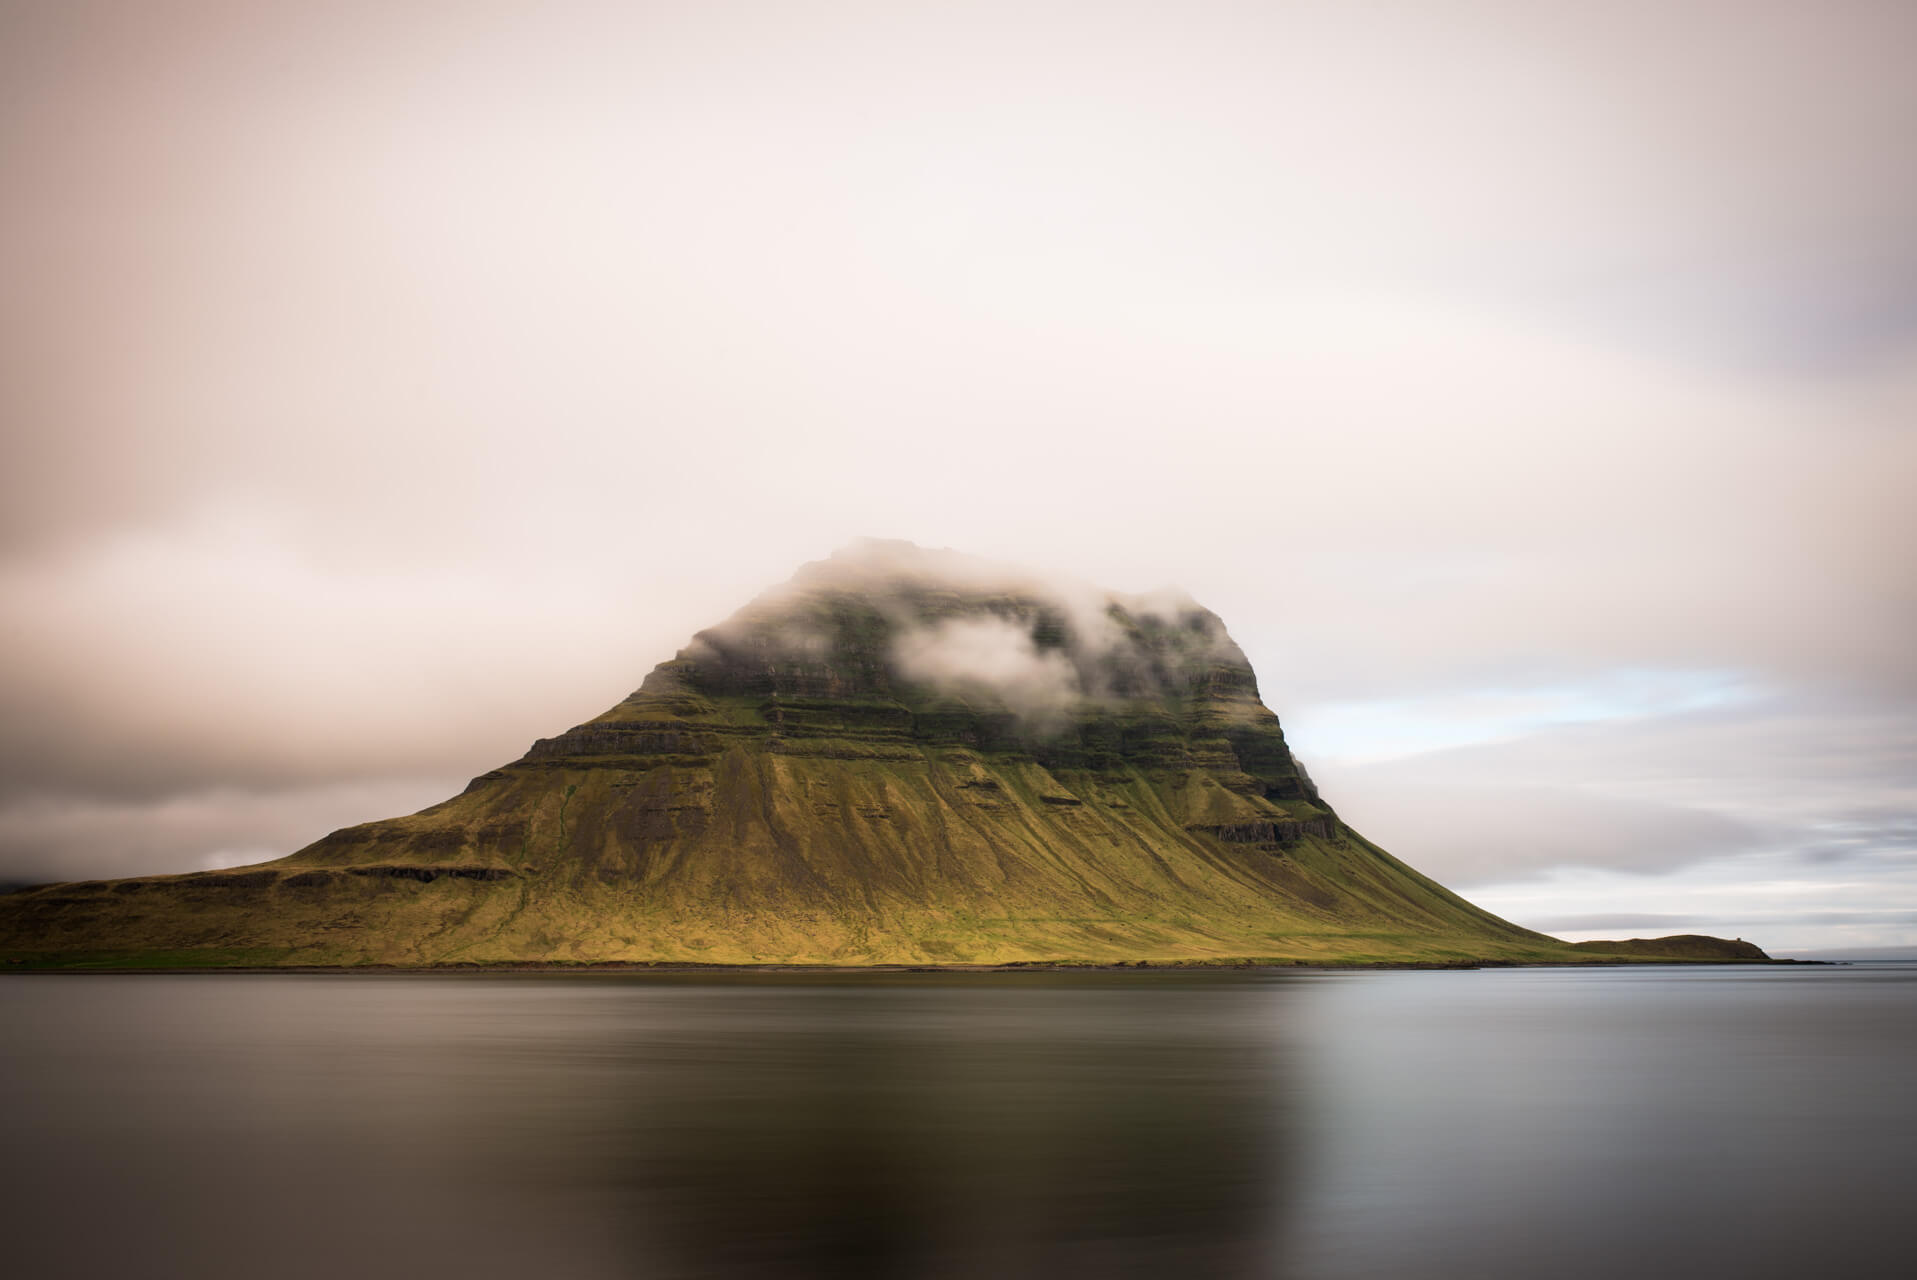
760, 856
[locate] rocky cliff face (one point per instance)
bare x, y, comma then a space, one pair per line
899, 756
875, 653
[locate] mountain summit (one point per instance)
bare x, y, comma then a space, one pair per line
899, 756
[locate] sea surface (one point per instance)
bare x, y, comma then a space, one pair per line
1642, 1122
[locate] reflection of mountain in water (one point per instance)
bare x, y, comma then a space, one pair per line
949, 1132
1582, 1125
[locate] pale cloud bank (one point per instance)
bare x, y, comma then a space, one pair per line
996, 657
1043, 644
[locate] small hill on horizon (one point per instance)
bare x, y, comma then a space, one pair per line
1678, 946
901, 756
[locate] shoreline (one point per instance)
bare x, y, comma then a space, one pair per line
682, 968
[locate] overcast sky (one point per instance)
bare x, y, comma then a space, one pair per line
1530, 385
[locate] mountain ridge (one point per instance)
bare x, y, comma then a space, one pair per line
898, 757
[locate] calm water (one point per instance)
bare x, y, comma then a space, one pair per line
1740, 1122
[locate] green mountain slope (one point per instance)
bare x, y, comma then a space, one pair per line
899, 757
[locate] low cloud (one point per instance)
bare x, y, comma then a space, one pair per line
992, 657
1822, 780
1614, 920
975, 628
63, 837
1483, 833
1893, 954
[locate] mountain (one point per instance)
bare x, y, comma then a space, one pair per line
900, 756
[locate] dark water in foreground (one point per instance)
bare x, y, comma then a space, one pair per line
1647, 1122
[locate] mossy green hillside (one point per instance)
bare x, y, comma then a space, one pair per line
1067, 780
